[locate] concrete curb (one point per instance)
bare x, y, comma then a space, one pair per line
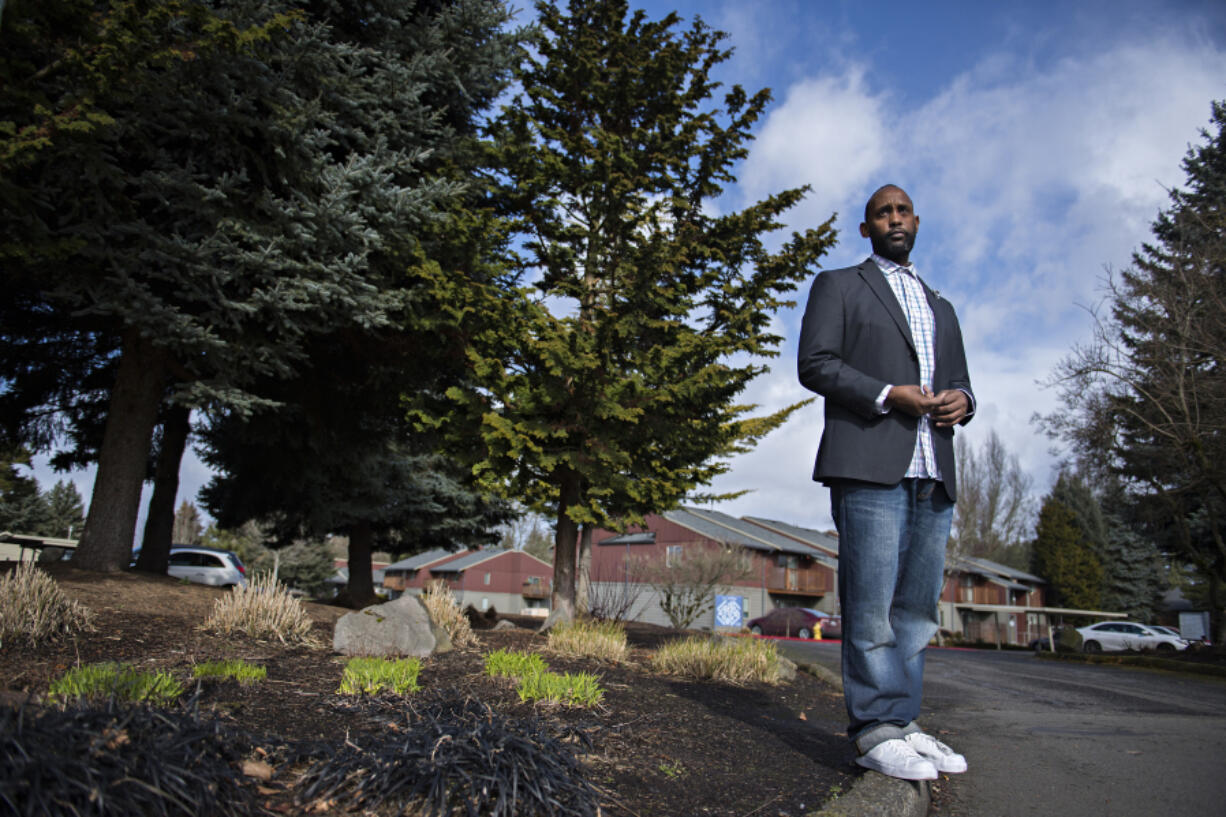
875, 795
872, 794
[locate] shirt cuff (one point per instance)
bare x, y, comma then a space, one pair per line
970, 398
881, 406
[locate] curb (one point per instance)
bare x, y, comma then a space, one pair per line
872, 794
875, 795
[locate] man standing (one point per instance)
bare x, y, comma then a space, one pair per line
885, 352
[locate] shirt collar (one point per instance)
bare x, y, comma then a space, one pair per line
887, 266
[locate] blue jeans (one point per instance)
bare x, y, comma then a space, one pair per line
891, 569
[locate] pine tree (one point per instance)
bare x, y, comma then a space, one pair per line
187, 525
615, 390
65, 511
240, 179
1065, 559
1146, 401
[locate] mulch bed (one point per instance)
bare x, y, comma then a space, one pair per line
657, 745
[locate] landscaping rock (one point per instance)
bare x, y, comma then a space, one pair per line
506, 624
400, 627
787, 669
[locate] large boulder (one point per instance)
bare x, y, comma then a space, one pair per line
400, 627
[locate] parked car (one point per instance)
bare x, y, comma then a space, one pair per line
219, 568
796, 622
1127, 635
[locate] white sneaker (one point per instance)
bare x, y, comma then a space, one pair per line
945, 759
896, 758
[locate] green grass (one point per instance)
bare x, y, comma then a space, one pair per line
241, 671
582, 689
123, 681
510, 664
367, 676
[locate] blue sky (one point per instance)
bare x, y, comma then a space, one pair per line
1037, 141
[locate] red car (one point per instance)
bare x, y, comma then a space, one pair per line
797, 622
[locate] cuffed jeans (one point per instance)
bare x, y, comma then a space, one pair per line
891, 565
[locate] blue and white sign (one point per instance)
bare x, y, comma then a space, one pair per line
729, 611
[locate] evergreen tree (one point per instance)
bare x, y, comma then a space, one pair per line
1146, 401
1064, 558
615, 390
65, 511
242, 180
187, 526
23, 509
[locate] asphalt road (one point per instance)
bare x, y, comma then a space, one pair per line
1059, 738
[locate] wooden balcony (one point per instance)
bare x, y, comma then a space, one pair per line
536, 590
794, 581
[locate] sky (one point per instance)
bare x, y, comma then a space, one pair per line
1038, 141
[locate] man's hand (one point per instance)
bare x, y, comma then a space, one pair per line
952, 406
914, 400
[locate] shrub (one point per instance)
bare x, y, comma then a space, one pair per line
121, 759
262, 609
109, 680
241, 671
446, 613
371, 675
738, 660
504, 664
582, 689
452, 757
33, 608
587, 638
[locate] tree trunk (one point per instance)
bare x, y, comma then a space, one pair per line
159, 524
563, 598
583, 583
361, 587
106, 541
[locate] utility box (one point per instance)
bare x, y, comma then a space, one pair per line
1193, 624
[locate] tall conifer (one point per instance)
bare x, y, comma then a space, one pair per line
617, 392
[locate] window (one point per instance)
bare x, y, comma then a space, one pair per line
672, 556
485, 602
487, 577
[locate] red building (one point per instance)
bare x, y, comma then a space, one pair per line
778, 570
511, 581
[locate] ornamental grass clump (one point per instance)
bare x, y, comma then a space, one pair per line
262, 609
121, 759
453, 757
242, 671
101, 682
34, 610
588, 638
511, 664
446, 613
737, 660
369, 676
580, 689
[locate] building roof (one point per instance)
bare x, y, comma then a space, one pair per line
1006, 570
728, 529
816, 538
643, 538
990, 569
476, 557
420, 560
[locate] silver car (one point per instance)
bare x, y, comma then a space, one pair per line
219, 568
1126, 635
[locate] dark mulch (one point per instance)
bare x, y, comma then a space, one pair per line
657, 746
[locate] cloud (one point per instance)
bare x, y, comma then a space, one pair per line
1029, 179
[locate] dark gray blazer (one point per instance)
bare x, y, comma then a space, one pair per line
854, 341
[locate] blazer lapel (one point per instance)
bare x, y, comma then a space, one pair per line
875, 278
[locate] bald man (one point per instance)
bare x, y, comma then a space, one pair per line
885, 351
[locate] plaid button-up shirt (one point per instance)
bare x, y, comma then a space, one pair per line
910, 293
